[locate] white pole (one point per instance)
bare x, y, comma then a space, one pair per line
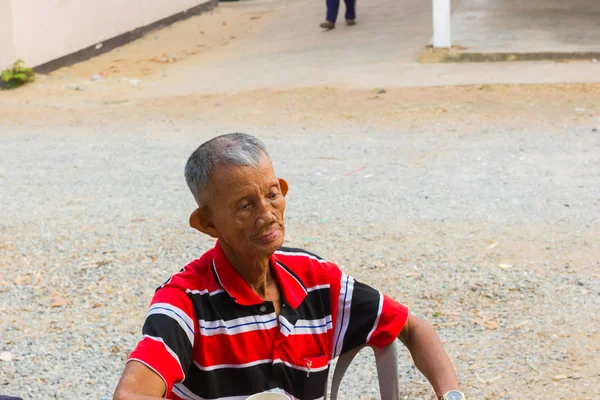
441, 23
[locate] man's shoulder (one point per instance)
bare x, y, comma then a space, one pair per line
307, 265
194, 277
301, 260
297, 255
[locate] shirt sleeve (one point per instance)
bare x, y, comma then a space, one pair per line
363, 315
169, 332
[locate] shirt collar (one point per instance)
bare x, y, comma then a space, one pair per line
292, 288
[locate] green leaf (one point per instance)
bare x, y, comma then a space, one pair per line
13, 84
17, 75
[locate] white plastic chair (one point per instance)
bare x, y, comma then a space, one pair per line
386, 359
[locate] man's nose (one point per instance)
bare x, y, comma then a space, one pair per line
266, 214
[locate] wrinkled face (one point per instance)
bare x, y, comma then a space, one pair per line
247, 209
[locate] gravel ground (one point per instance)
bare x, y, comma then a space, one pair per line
476, 206
491, 235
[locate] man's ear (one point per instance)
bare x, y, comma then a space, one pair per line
201, 220
284, 186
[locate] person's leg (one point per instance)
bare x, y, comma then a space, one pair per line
350, 10
333, 7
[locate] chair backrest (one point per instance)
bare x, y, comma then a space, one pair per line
386, 359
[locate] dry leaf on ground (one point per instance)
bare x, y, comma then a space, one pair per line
60, 301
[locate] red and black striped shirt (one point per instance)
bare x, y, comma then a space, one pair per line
209, 336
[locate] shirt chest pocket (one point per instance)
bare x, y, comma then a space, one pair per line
313, 380
313, 364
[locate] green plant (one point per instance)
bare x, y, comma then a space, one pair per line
16, 75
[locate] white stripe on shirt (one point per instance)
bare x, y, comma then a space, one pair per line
343, 313
312, 326
286, 326
169, 350
219, 366
205, 291
318, 287
312, 369
238, 325
176, 314
376, 319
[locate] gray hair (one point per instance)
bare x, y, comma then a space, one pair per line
230, 149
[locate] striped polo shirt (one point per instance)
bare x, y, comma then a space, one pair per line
209, 336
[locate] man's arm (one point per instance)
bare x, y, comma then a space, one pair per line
162, 356
429, 356
138, 382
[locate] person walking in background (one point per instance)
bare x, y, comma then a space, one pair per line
333, 7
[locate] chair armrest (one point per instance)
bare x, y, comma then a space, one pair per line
386, 359
341, 367
387, 371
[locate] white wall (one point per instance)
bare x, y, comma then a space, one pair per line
43, 30
7, 49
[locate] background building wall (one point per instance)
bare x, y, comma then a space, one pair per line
39, 31
7, 50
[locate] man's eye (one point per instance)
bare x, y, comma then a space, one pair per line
273, 196
245, 206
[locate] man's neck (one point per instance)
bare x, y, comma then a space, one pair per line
256, 272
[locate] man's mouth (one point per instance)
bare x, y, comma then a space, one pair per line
269, 236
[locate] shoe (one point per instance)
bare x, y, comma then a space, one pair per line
350, 22
327, 25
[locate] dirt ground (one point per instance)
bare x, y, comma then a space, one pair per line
139, 85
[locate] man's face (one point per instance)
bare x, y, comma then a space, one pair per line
247, 209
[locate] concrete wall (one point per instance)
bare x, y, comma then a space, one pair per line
7, 49
39, 31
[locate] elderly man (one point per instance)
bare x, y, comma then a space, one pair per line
250, 315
